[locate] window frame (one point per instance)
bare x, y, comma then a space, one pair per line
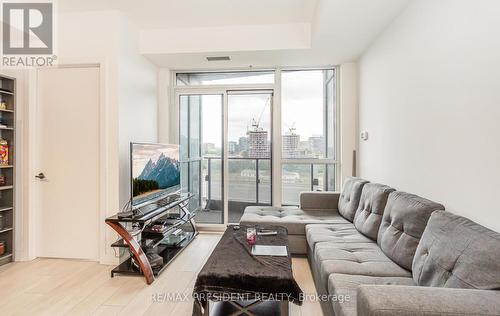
325, 161
268, 71
277, 161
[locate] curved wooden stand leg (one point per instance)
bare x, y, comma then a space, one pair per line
136, 249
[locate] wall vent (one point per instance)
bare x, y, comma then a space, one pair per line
218, 58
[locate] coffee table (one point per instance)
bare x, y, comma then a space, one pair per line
234, 276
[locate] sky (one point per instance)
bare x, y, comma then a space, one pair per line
302, 107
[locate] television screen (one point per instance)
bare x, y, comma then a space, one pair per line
155, 171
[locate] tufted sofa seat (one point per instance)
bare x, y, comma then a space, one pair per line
455, 271
315, 208
293, 218
346, 285
354, 258
379, 251
335, 233
417, 245
372, 255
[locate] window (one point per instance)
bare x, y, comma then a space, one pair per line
225, 78
232, 112
307, 111
308, 132
201, 154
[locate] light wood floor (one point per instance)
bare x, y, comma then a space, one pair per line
73, 287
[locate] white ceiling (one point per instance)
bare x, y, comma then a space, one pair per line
198, 13
340, 30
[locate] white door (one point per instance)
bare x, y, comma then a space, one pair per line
67, 154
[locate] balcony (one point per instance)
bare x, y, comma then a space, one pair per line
249, 183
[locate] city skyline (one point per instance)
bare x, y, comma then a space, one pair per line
302, 103
292, 146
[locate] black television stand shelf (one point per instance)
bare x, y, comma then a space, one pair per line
178, 230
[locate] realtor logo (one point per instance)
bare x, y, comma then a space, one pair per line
28, 28
28, 34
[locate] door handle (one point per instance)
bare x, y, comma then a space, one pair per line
40, 176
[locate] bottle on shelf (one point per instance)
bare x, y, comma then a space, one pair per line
4, 152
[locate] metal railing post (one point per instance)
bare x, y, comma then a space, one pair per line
257, 180
209, 180
312, 177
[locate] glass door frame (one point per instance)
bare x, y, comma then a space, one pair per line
199, 158
275, 136
241, 91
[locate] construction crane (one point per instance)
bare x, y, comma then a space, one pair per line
256, 124
291, 128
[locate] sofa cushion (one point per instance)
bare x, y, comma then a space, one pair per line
354, 258
349, 198
344, 287
396, 300
455, 252
404, 220
371, 208
319, 200
338, 233
293, 218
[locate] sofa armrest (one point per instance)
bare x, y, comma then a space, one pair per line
315, 201
419, 300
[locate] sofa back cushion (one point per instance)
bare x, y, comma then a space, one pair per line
403, 223
349, 198
455, 252
371, 208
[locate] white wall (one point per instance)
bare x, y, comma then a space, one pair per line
129, 109
226, 38
131, 88
137, 99
429, 98
348, 117
131, 94
164, 97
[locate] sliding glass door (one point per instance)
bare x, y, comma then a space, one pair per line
201, 154
249, 135
226, 143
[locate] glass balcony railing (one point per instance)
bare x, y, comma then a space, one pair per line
296, 178
249, 184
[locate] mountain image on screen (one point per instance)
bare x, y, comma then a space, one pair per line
155, 171
165, 172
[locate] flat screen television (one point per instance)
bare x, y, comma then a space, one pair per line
155, 172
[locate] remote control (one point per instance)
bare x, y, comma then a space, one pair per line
267, 233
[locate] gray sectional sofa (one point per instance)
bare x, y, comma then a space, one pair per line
378, 251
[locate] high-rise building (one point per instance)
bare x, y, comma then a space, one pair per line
232, 147
317, 145
291, 145
258, 145
243, 143
207, 147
